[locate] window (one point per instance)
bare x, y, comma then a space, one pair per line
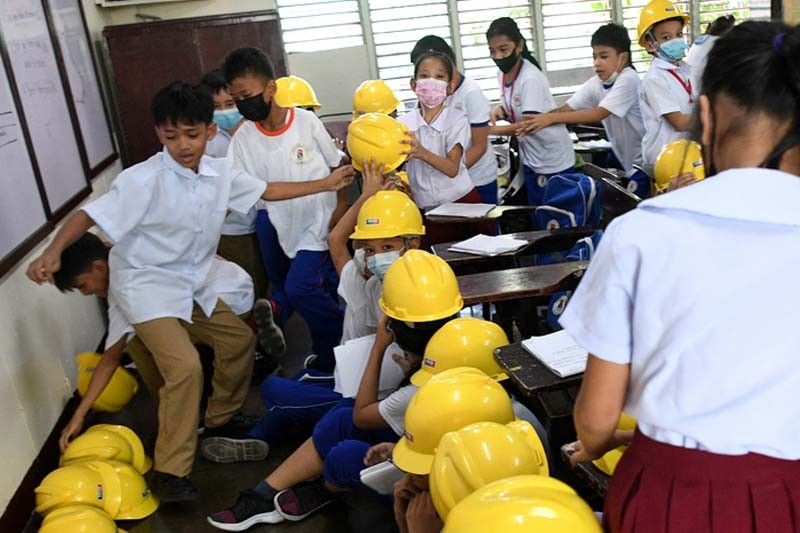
741, 9
319, 24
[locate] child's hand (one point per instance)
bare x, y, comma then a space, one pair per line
373, 177
383, 335
70, 431
681, 181
415, 150
421, 515
379, 453
41, 270
341, 177
532, 124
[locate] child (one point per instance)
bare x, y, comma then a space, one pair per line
226, 116
697, 57
375, 96
716, 444
667, 94
164, 217
467, 96
525, 92
610, 97
291, 144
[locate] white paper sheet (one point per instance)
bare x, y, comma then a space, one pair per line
461, 210
488, 246
558, 352
351, 360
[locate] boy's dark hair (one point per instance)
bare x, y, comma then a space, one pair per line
614, 36
432, 43
180, 101
720, 25
77, 258
506, 26
214, 81
448, 64
414, 337
247, 61
650, 34
768, 52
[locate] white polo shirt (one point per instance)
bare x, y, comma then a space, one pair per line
469, 98
218, 146
660, 94
164, 221
235, 224
431, 187
361, 297
301, 151
549, 150
697, 290
233, 285
624, 126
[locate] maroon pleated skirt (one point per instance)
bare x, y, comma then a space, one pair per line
659, 488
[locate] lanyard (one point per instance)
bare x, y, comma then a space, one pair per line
687, 85
510, 101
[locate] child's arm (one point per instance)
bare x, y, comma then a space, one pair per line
42, 268
533, 123
480, 143
282, 190
366, 414
510, 129
446, 165
679, 121
109, 363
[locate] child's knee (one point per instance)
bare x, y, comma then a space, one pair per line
344, 463
332, 429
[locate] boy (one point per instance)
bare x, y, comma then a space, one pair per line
226, 116
164, 218
278, 143
667, 94
610, 97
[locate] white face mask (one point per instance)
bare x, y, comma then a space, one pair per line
613, 78
378, 264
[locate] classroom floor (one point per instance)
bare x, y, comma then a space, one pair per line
220, 484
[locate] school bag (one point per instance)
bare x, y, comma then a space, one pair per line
583, 250
570, 201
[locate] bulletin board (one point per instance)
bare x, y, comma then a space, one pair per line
43, 138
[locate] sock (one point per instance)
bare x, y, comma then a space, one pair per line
264, 490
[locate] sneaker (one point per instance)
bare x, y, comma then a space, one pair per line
250, 509
302, 500
270, 335
170, 489
225, 450
238, 426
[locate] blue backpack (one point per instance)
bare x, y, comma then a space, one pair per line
570, 201
583, 250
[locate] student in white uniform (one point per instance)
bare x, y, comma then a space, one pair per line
610, 97
467, 96
689, 312
164, 217
697, 57
667, 94
280, 144
526, 91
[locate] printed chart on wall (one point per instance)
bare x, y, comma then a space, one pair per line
21, 211
44, 103
83, 81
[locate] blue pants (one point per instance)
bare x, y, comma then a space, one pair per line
342, 446
536, 183
488, 192
296, 403
307, 284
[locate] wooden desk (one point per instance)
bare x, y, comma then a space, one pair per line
518, 283
596, 479
538, 242
615, 200
529, 375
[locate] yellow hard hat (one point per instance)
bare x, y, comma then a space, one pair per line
420, 287
374, 96
109, 443
402, 175
136, 499
377, 136
93, 483
448, 402
608, 462
655, 12
79, 519
468, 342
295, 92
676, 158
388, 214
117, 393
522, 504
479, 454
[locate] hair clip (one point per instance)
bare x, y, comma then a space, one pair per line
777, 43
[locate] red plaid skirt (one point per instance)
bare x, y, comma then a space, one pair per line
659, 488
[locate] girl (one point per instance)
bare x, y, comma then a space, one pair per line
697, 57
526, 91
716, 444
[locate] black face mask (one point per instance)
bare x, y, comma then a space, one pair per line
254, 107
507, 63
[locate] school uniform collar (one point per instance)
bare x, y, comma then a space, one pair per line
438, 122
204, 169
666, 65
745, 194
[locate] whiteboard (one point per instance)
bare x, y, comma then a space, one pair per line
21, 211
44, 103
83, 82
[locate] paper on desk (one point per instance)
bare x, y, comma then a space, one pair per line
351, 360
599, 144
461, 210
488, 246
558, 352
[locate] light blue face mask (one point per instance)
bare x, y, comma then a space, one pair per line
673, 50
227, 119
378, 264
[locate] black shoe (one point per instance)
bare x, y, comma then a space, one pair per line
298, 502
270, 335
170, 489
263, 366
237, 427
250, 509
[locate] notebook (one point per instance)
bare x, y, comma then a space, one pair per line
351, 360
488, 246
461, 210
558, 352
